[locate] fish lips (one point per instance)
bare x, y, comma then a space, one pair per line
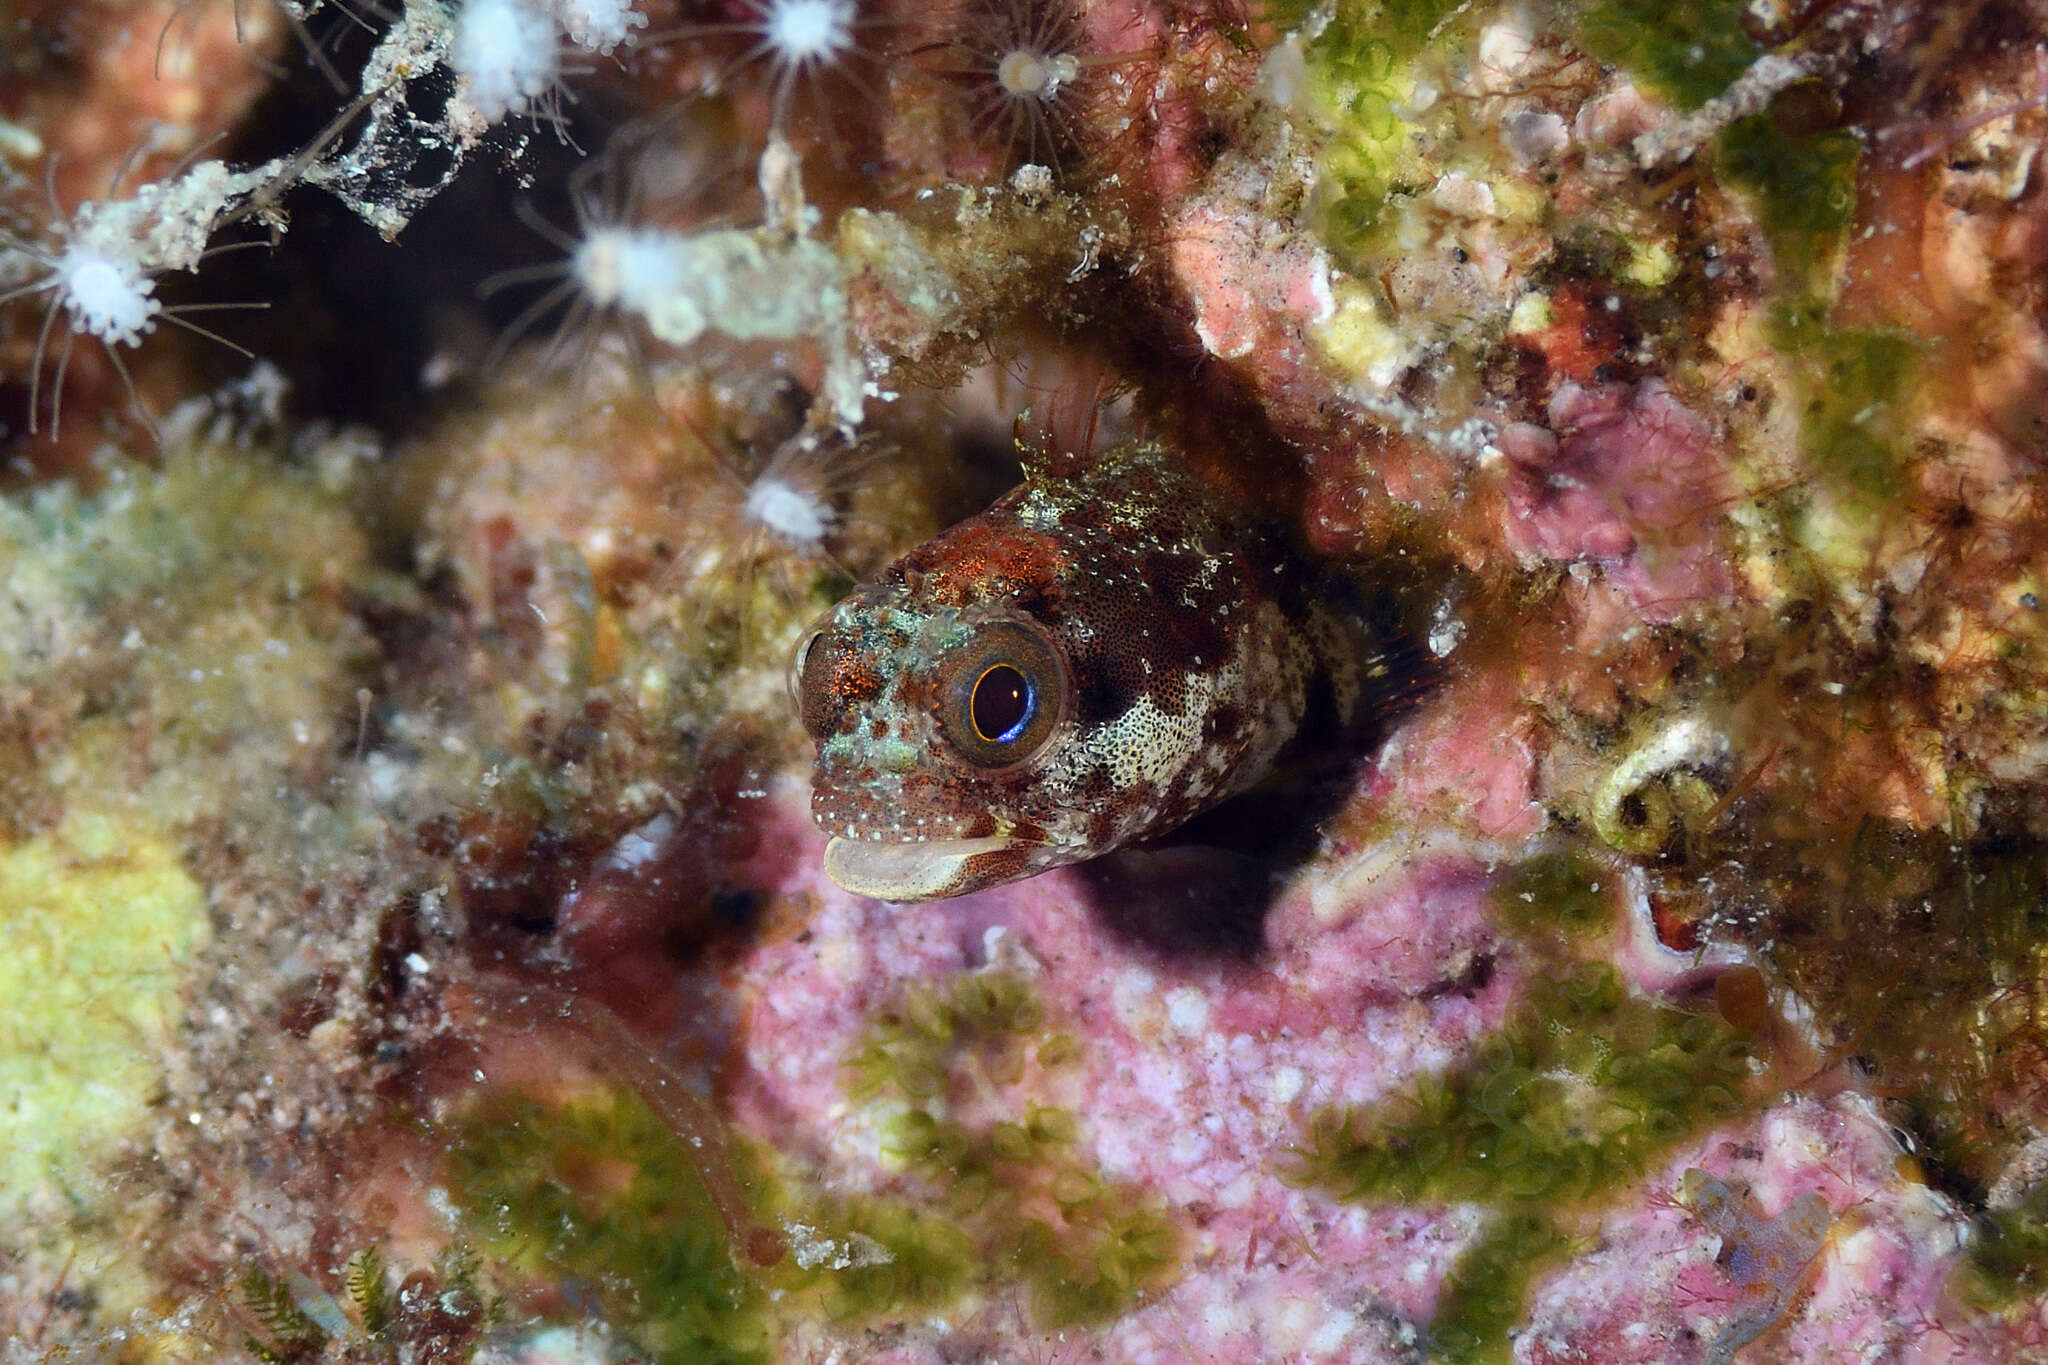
934, 869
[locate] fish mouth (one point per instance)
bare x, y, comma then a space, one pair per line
928, 870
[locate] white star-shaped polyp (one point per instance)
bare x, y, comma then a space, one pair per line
784, 510
106, 296
801, 33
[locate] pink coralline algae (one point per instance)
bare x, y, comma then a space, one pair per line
1249, 295
1627, 479
1849, 1262
1192, 1078
1470, 760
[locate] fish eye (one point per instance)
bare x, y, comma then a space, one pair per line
1001, 694
1002, 704
796, 667
821, 694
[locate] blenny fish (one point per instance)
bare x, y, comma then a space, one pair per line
1094, 659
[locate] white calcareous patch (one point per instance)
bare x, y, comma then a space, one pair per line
641, 846
812, 1250
1187, 1010
1286, 1084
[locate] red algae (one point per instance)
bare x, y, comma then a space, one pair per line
1627, 480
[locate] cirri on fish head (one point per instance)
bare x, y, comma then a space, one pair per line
1091, 661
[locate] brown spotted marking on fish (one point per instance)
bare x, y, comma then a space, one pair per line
1089, 662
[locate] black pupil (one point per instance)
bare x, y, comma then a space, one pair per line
1001, 704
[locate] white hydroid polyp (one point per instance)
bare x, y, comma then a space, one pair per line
611, 266
799, 33
794, 515
632, 268
599, 25
1024, 74
106, 296
100, 273
800, 38
794, 39
1022, 61
508, 51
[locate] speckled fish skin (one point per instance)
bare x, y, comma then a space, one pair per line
1181, 652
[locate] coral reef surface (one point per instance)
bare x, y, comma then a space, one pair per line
432, 428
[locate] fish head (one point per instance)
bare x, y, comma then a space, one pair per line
940, 721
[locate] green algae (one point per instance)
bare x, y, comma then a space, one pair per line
1922, 952
186, 627
1555, 893
1364, 30
1369, 91
1364, 78
1929, 954
1583, 1088
2006, 1262
1482, 1297
1803, 184
179, 659
1686, 54
981, 1018
439, 1315
596, 1196
597, 1192
287, 1332
369, 1291
905, 1260
1857, 386
104, 926
1013, 1192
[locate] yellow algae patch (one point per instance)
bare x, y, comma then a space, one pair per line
101, 924
1360, 340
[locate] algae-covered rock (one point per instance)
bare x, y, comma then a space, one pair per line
105, 928
184, 628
